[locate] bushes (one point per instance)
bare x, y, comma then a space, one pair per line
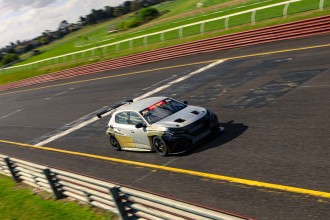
143, 16
9, 58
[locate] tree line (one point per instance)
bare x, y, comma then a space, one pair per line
10, 53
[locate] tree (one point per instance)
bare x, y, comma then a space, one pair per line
90, 19
82, 19
136, 5
63, 27
118, 11
109, 11
127, 7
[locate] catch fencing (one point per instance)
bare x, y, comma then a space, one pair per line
127, 202
250, 16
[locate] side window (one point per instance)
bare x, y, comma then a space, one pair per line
122, 118
135, 118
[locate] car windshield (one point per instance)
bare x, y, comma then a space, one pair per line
161, 110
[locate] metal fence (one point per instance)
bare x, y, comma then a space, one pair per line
127, 202
250, 16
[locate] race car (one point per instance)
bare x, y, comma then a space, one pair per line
160, 124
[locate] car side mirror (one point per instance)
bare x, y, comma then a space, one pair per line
185, 102
139, 125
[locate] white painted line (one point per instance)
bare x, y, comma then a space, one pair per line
8, 100
10, 114
179, 80
61, 93
70, 130
77, 127
160, 82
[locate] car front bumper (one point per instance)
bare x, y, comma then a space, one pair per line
193, 134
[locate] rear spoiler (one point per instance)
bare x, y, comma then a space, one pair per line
99, 115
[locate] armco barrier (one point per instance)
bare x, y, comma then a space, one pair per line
127, 202
298, 29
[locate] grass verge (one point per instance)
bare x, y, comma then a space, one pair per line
19, 202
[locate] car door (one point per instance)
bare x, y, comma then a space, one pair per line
122, 130
138, 135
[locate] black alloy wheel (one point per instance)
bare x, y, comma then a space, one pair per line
160, 146
114, 142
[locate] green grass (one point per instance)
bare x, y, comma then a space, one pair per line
18, 202
265, 17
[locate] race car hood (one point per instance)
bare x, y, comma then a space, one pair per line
182, 118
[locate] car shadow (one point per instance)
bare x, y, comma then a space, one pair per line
232, 131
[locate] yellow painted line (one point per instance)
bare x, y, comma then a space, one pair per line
112, 76
171, 67
187, 172
278, 51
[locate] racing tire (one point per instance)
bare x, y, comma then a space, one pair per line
114, 143
160, 146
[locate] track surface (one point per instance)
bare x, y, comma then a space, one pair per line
275, 107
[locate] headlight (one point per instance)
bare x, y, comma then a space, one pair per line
174, 131
211, 114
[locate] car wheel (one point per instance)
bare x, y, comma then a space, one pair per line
114, 143
160, 146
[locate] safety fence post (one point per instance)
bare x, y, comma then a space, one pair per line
11, 168
181, 32
285, 10
321, 5
104, 50
117, 47
145, 40
253, 17
119, 204
162, 36
52, 180
227, 23
202, 28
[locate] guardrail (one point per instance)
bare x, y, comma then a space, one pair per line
251, 16
127, 202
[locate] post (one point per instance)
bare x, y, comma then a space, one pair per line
11, 168
181, 32
162, 36
131, 44
145, 40
285, 10
253, 17
321, 5
202, 27
227, 23
88, 197
52, 183
120, 206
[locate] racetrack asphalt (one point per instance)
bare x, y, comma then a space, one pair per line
275, 108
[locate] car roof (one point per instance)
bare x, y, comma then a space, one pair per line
140, 104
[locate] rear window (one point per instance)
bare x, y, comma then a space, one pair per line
161, 110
